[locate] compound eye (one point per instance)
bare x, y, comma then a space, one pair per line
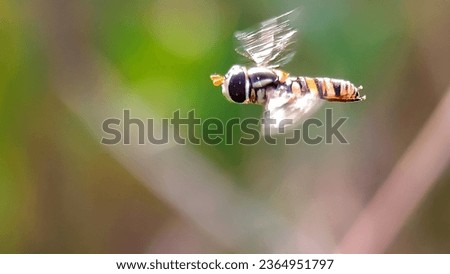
237, 86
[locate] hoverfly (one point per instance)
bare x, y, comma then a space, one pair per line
284, 97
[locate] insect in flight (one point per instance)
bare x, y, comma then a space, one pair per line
285, 98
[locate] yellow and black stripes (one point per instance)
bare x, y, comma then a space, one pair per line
327, 88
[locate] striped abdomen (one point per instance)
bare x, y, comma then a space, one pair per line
326, 88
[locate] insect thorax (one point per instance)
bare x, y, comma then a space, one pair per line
261, 78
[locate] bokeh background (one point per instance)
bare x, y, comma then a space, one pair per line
65, 66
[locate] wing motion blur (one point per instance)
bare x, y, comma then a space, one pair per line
272, 43
285, 110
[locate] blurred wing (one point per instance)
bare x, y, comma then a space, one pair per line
272, 43
284, 110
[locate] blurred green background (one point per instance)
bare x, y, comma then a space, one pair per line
67, 66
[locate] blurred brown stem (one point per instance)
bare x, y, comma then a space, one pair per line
410, 180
